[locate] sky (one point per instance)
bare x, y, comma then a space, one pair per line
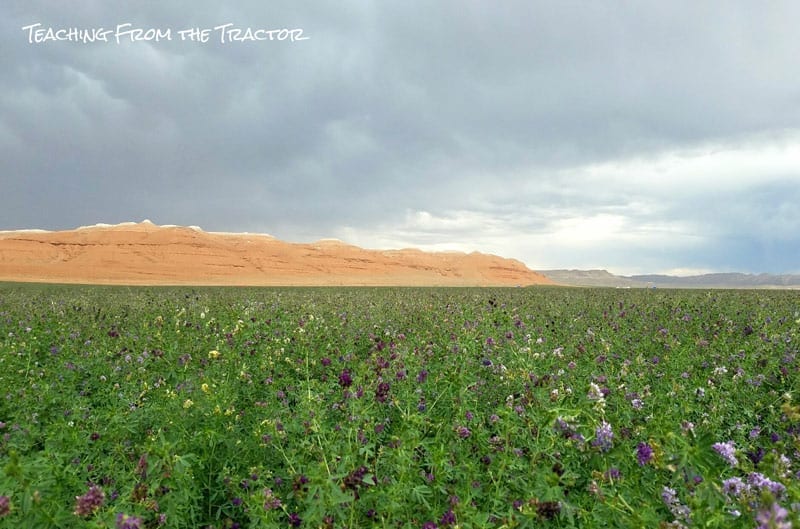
638, 137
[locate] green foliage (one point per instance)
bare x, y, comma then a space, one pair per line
380, 407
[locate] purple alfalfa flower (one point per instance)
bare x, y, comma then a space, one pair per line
644, 453
578, 438
448, 518
270, 500
774, 517
422, 376
734, 487
88, 503
128, 522
755, 456
563, 427
604, 437
678, 510
295, 520
382, 392
463, 432
345, 380
429, 525
728, 452
760, 481
5, 506
141, 467
299, 482
669, 496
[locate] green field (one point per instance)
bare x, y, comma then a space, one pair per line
373, 407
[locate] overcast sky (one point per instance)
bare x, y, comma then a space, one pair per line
632, 136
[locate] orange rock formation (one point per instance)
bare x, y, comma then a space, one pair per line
147, 254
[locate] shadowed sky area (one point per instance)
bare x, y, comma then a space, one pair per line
633, 136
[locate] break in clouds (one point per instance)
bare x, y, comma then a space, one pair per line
645, 138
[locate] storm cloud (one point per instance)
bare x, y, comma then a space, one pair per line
645, 137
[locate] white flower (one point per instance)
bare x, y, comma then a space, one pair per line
595, 393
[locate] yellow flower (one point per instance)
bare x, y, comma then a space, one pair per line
204, 387
187, 404
213, 354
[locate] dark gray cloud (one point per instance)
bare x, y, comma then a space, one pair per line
539, 130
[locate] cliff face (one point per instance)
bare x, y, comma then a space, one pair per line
147, 254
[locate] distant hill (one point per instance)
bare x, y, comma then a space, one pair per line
602, 278
722, 280
590, 278
146, 254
